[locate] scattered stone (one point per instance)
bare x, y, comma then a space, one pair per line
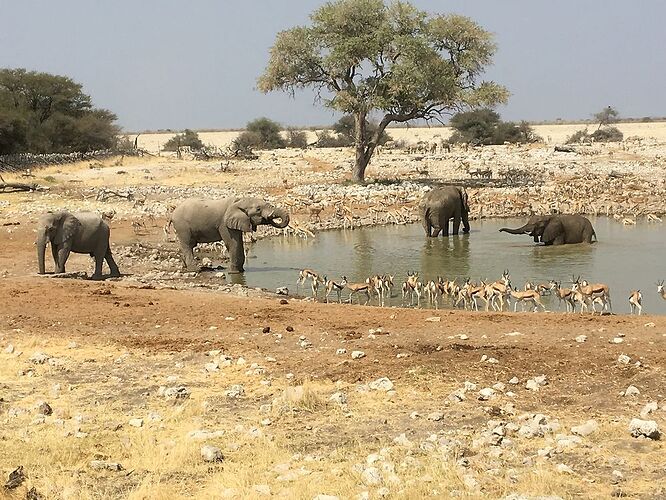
103, 465
616, 340
371, 476
357, 354
211, 453
39, 358
624, 359
290, 328
435, 416
339, 398
381, 384
341, 351
649, 325
235, 391
649, 408
631, 391
212, 367
179, 392
136, 422
581, 338
434, 319
486, 393
644, 428
564, 468
9, 349
282, 290
45, 409
262, 489
585, 429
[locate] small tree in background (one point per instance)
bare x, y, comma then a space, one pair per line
484, 127
605, 131
297, 139
365, 56
187, 138
261, 133
606, 117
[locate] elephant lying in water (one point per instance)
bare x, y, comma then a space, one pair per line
557, 229
83, 232
206, 221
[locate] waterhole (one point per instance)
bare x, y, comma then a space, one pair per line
625, 257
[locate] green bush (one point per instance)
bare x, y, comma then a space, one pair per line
326, 139
297, 139
608, 134
187, 138
484, 127
269, 133
247, 141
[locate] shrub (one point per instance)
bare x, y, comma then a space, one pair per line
608, 134
187, 138
268, 132
247, 141
578, 137
326, 139
297, 139
484, 127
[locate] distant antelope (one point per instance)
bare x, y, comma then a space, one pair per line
661, 290
564, 295
592, 292
635, 300
498, 290
387, 281
432, 292
355, 288
376, 286
304, 275
338, 287
412, 286
527, 296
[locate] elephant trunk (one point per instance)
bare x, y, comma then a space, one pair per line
281, 214
520, 230
41, 251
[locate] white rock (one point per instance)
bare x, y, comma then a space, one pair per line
202, 435
136, 422
357, 354
339, 398
616, 340
631, 391
514, 381
403, 440
381, 384
624, 359
103, 465
486, 393
235, 391
649, 408
341, 351
564, 468
211, 453
9, 349
585, 429
180, 392
645, 428
434, 319
39, 358
435, 416
212, 367
371, 476
581, 338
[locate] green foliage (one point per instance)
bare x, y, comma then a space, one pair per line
269, 131
326, 139
365, 55
44, 113
608, 134
247, 141
484, 127
606, 117
297, 139
187, 138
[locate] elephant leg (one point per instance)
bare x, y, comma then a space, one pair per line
56, 259
436, 232
115, 272
63, 255
99, 260
187, 251
234, 241
456, 225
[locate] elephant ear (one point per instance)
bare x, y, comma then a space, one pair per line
554, 228
239, 220
68, 227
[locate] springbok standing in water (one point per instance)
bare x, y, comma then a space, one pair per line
635, 300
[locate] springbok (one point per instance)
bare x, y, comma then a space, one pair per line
306, 274
355, 288
338, 287
498, 290
592, 292
661, 290
412, 286
527, 296
563, 295
635, 300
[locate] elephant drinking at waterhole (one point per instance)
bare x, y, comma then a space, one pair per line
83, 232
206, 221
441, 205
557, 229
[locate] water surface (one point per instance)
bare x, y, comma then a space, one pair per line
626, 258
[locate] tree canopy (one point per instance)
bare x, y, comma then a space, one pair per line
44, 113
364, 56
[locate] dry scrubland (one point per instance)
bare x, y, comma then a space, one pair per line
140, 373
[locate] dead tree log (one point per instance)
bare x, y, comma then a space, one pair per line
10, 187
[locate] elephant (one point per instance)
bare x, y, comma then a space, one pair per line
557, 229
83, 232
205, 221
442, 204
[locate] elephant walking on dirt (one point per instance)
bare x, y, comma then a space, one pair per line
557, 229
83, 232
206, 221
442, 204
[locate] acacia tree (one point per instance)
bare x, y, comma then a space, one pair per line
364, 56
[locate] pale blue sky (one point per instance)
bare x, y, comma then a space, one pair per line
176, 64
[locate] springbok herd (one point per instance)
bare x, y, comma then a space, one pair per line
497, 295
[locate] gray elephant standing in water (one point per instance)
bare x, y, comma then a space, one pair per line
206, 221
83, 232
442, 204
557, 229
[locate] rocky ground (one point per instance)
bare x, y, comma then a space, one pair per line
159, 385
